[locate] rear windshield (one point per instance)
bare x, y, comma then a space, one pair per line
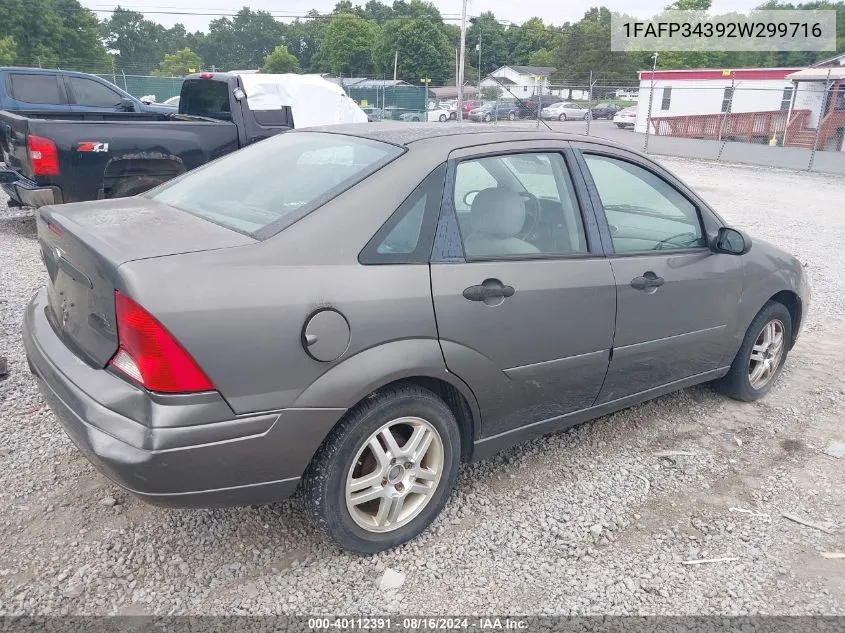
265, 187
205, 97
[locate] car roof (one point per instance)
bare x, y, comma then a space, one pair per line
452, 136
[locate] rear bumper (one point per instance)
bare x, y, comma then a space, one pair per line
27, 193
177, 450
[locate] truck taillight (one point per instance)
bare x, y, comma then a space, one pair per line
149, 355
43, 156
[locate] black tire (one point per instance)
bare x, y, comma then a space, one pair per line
511, 116
621, 126
134, 186
324, 483
562, 116
487, 118
736, 383
443, 118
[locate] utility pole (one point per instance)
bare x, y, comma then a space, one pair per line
395, 64
650, 103
462, 60
478, 47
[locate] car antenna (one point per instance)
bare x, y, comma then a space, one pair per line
522, 103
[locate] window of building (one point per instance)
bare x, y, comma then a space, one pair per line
727, 98
786, 100
667, 98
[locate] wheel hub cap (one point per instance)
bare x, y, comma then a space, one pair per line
395, 474
766, 354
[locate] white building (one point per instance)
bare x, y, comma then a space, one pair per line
522, 81
817, 115
709, 91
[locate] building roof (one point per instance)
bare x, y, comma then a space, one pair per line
534, 70
836, 60
502, 80
451, 92
818, 74
720, 74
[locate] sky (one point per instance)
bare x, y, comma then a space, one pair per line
516, 11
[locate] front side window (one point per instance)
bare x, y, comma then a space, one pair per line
645, 213
517, 205
40, 89
87, 92
268, 185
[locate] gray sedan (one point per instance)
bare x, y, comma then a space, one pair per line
357, 310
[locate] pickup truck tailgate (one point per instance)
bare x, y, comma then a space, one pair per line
83, 246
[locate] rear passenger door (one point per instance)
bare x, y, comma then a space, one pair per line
89, 95
34, 91
524, 299
676, 298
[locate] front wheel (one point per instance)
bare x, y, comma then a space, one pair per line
761, 356
511, 116
487, 118
443, 118
562, 117
385, 472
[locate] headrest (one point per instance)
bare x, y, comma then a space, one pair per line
497, 212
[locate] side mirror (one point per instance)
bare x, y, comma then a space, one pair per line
127, 105
732, 242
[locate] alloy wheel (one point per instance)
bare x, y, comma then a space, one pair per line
394, 474
766, 354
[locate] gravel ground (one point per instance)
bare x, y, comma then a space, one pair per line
590, 521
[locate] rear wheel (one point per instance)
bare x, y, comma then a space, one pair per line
443, 118
761, 356
562, 117
488, 118
385, 472
511, 116
134, 186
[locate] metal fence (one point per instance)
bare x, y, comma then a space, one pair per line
779, 123
143, 85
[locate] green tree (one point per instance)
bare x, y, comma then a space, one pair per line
53, 33
494, 46
241, 42
346, 45
180, 63
424, 51
529, 37
138, 41
585, 47
542, 57
301, 38
8, 51
280, 61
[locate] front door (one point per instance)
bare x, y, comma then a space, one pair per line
676, 299
524, 299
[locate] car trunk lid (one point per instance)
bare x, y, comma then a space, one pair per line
83, 246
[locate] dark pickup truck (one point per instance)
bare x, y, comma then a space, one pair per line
51, 158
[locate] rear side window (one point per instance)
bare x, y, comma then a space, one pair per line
93, 94
267, 186
35, 89
406, 238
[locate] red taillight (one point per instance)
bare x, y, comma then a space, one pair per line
150, 355
43, 156
206, 75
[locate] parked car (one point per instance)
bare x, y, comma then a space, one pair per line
56, 157
470, 105
373, 113
527, 108
494, 112
431, 115
44, 90
236, 334
172, 102
604, 111
626, 117
565, 110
